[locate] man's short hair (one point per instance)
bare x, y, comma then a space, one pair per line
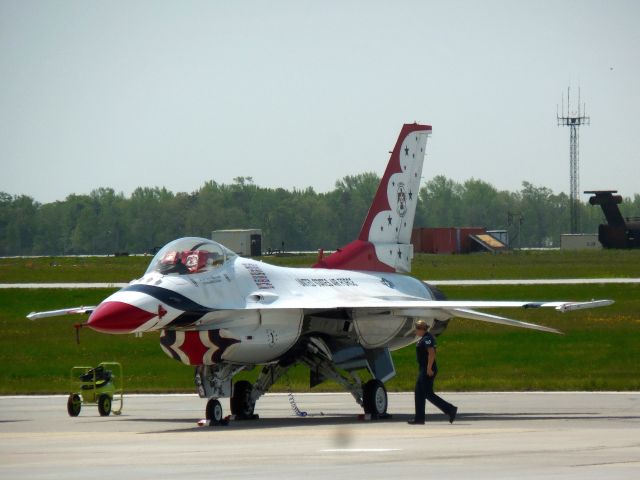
421, 325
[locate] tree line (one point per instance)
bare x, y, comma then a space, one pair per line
106, 222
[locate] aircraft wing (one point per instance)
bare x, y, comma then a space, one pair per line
487, 317
63, 311
409, 302
462, 304
463, 309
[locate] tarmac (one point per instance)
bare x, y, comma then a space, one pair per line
496, 435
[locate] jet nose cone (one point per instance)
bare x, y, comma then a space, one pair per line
118, 317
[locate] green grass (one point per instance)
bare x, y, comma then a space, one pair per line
514, 264
72, 269
598, 351
529, 264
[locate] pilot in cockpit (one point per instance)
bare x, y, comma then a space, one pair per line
172, 263
193, 261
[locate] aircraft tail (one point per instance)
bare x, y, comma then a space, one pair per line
384, 243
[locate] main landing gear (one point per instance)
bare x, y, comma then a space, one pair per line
242, 402
214, 382
374, 399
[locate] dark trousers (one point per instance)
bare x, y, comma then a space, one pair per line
424, 391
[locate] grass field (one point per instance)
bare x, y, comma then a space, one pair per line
72, 269
598, 351
514, 264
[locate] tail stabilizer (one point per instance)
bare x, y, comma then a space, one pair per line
384, 243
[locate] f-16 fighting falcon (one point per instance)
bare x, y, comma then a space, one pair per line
221, 313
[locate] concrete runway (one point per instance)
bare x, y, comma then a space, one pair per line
496, 435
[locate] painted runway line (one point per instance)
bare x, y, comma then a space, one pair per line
536, 281
360, 450
62, 285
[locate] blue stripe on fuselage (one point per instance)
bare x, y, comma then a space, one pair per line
169, 297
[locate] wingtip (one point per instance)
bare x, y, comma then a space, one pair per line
568, 307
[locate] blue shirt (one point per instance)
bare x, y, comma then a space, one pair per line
421, 353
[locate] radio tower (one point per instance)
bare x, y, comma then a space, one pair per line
573, 120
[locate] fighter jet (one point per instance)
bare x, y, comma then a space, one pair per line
221, 313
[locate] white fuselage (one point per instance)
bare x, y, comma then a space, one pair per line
257, 310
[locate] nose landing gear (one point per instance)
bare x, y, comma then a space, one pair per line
214, 412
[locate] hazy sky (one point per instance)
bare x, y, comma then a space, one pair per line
124, 94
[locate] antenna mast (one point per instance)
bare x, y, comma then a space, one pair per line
573, 120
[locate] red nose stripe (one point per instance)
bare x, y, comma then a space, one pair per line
118, 317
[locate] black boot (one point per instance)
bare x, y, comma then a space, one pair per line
452, 414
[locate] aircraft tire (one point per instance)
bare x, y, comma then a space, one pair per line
74, 405
241, 404
104, 405
214, 411
374, 398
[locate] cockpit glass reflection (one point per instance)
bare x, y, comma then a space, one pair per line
190, 255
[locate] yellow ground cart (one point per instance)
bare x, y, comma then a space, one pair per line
101, 386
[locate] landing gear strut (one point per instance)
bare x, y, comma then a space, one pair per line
215, 381
372, 396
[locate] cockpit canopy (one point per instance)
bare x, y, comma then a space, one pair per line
189, 255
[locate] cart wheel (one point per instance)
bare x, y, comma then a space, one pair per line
74, 404
104, 405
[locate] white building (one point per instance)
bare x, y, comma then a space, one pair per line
579, 241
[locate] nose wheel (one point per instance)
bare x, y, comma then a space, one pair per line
214, 412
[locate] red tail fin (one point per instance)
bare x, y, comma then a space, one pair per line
384, 243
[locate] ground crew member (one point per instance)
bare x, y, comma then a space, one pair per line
428, 369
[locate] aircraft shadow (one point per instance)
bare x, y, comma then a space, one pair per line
286, 422
542, 416
352, 419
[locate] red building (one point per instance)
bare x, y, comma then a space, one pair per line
447, 239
